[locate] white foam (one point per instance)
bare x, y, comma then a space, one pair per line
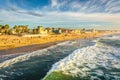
112, 37
88, 58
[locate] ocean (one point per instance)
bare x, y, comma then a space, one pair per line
91, 59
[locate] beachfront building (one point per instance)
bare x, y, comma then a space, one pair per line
73, 31
65, 30
30, 31
77, 31
94, 30
91, 31
41, 30
83, 31
49, 30
88, 31
58, 31
12, 31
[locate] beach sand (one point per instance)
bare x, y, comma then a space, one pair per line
10, 44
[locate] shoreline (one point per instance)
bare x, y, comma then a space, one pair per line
28, 48
34, 47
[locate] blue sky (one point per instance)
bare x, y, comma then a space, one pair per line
99, 14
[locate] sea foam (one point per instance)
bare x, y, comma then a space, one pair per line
93, 61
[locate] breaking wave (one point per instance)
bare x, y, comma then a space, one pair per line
97, 62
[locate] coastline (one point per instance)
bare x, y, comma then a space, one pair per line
44, 62
56, 40
28, 48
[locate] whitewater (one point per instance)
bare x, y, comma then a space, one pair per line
100, 61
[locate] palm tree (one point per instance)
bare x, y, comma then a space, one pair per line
17, 29
0, 28
26, 29
6, 26
53, 29
5, 29
49, 30
40, 27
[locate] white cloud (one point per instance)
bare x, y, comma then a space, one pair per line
112, 6
103, 1
54, 3
58, 16
57, 4
76, 16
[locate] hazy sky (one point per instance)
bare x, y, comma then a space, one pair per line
100, 14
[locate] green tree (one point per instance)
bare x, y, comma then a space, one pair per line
0, 26
34, 31
39, 27
6, 26
17, 29
26, 29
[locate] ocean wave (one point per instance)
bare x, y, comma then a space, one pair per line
101, 62
112, 37
112, 40
37, 63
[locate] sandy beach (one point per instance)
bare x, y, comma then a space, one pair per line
10, 44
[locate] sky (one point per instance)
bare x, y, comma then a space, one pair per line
99, 14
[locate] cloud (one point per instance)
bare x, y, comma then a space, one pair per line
84, 6
87, 6
15, 8
12, 16
33, 13
57, 4
103, 1
16, 16
54, 3
112, 6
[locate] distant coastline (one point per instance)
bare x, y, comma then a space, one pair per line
23, 39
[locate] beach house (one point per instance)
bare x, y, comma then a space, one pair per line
58, 31
41, 30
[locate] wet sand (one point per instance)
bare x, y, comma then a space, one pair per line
28, 48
